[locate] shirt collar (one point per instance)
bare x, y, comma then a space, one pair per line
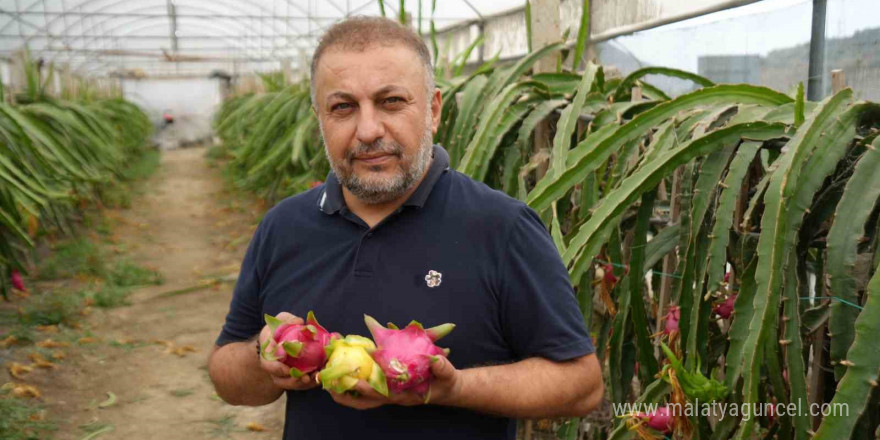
331, 200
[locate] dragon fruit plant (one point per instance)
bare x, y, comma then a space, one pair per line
406, 355
349, 361
299, 346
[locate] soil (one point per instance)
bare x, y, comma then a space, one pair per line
189, 228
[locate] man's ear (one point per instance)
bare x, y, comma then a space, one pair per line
436, 110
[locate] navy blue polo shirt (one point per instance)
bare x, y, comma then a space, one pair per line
456, 251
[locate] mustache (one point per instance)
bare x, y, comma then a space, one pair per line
379, 146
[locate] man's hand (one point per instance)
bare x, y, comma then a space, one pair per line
444, 390
279, 372
534, 387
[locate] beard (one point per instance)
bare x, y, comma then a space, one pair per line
373, 186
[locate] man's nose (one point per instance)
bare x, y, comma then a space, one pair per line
369, 127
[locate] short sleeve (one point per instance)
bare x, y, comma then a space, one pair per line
245, 317
540, 313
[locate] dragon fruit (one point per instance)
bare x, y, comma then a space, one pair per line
724, 309
299, 346
349, 361
406, 355
673, 316
659, 420
17, 281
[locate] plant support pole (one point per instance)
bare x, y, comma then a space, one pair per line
816, 76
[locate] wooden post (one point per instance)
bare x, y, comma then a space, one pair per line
838, 80
17, 75
636, 94
545, 30
670, 261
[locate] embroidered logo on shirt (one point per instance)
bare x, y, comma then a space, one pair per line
433, 278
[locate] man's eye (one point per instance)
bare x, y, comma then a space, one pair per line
393, 100
340, 106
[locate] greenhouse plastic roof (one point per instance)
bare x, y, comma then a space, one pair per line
98, 37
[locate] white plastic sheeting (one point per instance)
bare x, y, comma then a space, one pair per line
192, 103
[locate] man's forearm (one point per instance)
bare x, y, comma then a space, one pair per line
235, 371
531, 388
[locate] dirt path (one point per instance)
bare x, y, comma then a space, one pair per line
186, 227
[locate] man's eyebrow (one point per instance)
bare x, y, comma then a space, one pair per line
389, 89
341, 95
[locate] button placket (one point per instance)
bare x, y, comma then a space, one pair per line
365, 258
368, 249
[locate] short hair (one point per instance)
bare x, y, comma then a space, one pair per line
361, 33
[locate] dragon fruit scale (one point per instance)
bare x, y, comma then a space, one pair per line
405, 355
299, 346
349, 361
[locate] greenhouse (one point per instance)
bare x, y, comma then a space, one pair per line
444, 219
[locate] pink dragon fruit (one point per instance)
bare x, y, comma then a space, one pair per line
299, 346
17, 281
724, 309
672, 318
659, 420
406, 355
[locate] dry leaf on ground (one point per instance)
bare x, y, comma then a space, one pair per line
40, 361
254, 426
47, 328
17, 370
183, 350
21, 390
49, 343
8, 341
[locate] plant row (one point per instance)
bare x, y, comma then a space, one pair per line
56, 157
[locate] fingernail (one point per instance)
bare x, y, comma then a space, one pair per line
434, 359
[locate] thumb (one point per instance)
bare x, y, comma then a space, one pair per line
441, 368
289, 318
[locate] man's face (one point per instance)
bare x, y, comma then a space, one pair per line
377, 119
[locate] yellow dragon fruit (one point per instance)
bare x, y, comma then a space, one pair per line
348, 361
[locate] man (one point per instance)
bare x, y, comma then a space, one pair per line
396, 234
